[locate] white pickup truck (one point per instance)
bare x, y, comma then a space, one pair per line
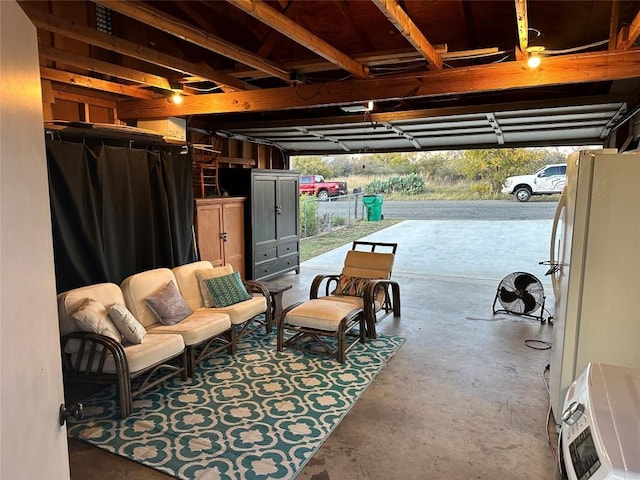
546, 181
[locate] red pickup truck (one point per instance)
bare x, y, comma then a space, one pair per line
315, 185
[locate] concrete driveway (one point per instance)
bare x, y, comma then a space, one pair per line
483, 250
465, 396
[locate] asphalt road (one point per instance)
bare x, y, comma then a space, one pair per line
448, 209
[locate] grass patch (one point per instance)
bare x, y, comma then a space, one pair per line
313, 246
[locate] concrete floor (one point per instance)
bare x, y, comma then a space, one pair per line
464, 398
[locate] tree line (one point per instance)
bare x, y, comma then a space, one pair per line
488, 167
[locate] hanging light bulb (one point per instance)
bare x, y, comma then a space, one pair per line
177, 98
534, 59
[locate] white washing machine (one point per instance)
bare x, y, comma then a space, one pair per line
600, 432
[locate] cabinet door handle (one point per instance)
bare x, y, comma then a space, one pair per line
223, 236
278, 209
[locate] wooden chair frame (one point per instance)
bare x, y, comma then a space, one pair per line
302, 334
92, 355
385, 289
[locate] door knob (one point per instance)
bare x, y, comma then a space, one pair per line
74, 411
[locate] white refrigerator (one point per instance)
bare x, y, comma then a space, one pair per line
595, 243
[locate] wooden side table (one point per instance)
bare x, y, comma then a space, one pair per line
276, 290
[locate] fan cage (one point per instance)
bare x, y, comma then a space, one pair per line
520, 293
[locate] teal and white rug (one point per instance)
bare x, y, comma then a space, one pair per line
258, 415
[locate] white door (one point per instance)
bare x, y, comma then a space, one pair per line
33, 444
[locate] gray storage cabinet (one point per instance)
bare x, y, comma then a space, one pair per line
271, 219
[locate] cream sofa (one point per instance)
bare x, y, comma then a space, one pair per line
174, 349
96, 358
245, 316
205, 332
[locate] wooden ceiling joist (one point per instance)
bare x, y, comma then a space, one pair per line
568, 69
69, 29
95, 83
613, 24
179, 29
371, 60
522, 20
631, 33
410, 31
284, 25
106, 68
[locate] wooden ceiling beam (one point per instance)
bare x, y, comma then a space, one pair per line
522, 21
315, 65
398, 17
630, 34
613, 24
287, 27
69, 29
94, 83
106, 68
577, 68
394, 57
157, 19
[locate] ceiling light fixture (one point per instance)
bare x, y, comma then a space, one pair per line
358, 108
533, 61
177, 97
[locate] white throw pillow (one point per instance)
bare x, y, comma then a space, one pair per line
92, 316
131, 329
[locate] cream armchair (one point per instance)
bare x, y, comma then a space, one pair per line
102, 356
371, 289
343, 309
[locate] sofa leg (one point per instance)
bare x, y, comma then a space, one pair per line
184, 360
124, 393
191, 360
234, 340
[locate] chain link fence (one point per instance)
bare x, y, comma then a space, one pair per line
318, 217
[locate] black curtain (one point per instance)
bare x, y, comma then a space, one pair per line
118, 211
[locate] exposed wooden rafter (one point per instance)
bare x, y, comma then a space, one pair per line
94, 65
189, 33
410, 31
370, 59
630, 34
283, 24
522, 21
69, 29
94, 83
613, 24
590, 67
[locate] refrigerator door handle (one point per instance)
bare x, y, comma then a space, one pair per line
555, 266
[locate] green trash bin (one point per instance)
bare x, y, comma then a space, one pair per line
373, 204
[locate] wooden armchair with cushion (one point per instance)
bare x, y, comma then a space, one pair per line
343, 309
365, 282
103, 343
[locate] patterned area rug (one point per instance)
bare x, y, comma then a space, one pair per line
258, 415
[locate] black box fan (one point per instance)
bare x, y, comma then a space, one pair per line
520, 293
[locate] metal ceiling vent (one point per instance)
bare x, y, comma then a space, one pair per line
103, 19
